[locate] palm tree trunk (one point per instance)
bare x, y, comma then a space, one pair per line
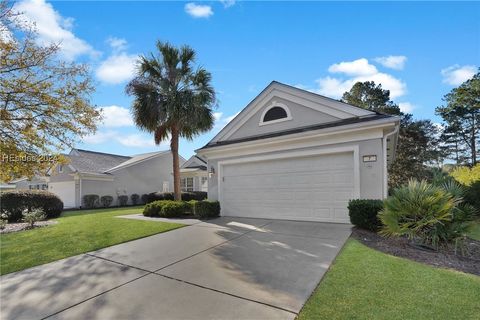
176, 166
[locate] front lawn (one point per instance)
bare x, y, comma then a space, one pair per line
367, 284
76, 232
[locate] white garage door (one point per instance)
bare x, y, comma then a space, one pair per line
314, 188
65, 191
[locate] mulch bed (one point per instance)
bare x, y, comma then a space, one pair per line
15, 227
444, 257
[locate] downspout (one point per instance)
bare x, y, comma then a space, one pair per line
385, 176
80, 195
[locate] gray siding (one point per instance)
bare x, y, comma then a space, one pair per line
371, 174
145, 177
301, 116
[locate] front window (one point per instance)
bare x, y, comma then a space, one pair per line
186, 184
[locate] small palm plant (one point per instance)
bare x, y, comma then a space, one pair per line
431, 214
172, 99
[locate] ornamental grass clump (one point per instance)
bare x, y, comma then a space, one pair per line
428, 214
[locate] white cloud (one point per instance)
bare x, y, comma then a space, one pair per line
221, 121
359, 67
456, 75
406, 107
117, 68
392, 62
198, 10
359, 70
136, 140
129, 140
100, 137
228, 3
115, 116
117, 44
53, 28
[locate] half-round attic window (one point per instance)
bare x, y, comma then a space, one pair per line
276, 112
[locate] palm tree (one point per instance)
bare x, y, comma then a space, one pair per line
171, 99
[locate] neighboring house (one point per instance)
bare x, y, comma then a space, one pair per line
292, 154
89, 172
194, 175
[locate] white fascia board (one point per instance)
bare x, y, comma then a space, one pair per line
301, 97
299, 140
120, 167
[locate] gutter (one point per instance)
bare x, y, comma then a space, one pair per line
385, 176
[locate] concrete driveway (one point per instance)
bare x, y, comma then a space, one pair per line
227, 268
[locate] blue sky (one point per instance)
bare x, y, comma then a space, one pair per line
419, 51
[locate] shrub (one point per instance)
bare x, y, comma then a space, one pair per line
134, 198
166, 208
122, 200
364, 213
3, 220
472, 196
106, 201
90, 201
205, 208
144, 198
32, 216
186, 196
433, 215
173, 209
14, 202
465, 175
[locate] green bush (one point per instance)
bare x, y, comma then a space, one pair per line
14, 202
472, 196
122, 200
90, 201
364, 213
431, 214
134, 198
166, 209
106, 201
205, 208
186, 196
173, 209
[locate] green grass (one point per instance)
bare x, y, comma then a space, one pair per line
76, 232
367, 284
475, 231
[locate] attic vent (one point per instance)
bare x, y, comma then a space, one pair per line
276, 112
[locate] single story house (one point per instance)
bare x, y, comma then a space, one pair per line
296, 155
194, 175
90, 172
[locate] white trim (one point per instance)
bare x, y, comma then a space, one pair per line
294, 142
295, 154
273, 105
160, 153
304, 98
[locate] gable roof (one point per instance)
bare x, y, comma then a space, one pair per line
345, 113
138, 158
195, 162
298, 130
94, 162
302, 97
